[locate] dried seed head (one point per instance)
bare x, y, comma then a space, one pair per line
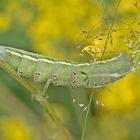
102, 105
81, 105
97, 102
73, 100
85, 108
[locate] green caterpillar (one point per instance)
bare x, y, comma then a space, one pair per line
66, 73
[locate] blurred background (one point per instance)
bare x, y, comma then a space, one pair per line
52, 28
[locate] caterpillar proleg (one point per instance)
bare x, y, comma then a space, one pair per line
66, 73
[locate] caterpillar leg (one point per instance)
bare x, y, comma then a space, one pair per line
45, 88
38, 98
48, 82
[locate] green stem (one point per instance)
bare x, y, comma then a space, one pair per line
86, 117
110, 29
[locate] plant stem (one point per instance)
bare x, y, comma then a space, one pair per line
86, 117
110, 29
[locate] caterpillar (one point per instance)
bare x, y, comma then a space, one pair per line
66, 73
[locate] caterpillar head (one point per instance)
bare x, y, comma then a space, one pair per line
2, 54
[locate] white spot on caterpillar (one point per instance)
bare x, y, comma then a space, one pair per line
37, 77
53, 78
55, 83
73, 100
73, 78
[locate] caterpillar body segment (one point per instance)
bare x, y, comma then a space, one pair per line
27, 66
105, 72
40, 74
61, 73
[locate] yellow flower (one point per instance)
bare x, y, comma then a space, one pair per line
14, 129
122, 97
5, 22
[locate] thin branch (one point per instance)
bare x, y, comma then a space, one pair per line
110, 29
86, 117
